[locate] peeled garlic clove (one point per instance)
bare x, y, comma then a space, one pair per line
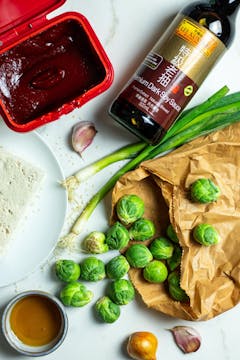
187, 338
82, 135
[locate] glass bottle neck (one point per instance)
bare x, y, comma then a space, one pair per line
228, 7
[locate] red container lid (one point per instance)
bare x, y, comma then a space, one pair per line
16, 12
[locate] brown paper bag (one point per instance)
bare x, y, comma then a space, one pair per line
209, 275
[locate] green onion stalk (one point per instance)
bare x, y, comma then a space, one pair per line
127, 152
215, 113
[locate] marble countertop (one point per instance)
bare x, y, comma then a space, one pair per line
127, 30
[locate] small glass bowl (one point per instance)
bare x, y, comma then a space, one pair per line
28, 350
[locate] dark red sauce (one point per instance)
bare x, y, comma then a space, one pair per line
46, 71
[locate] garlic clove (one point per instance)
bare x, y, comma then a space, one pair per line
187, 338
83, 134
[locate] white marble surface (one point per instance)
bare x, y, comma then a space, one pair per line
127, 30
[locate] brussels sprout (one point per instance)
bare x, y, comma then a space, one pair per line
92, 269
138, 255
142, 229
117, 236
67, 270
129, 208
204, 191
175, 291
161, 248
75, 294
95, 243
175, 260
155, 272
117, 267
206, 234
107, 310
172, 234
121, 291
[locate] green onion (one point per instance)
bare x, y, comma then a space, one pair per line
126, 152
130, 151
215, 113
184, 121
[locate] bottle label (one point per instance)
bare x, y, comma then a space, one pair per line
172, 72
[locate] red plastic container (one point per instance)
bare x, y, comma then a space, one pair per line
47, 67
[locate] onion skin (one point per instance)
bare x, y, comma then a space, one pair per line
142, 345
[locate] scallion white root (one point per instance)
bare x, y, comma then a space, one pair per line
127, 152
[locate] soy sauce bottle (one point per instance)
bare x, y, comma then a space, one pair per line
175, 68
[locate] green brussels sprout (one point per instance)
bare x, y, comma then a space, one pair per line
129, 208
142, 229
75, 294
175, 291
117, 236
107, 310
67, 270
172, 234
204, 191
95, 243
161, 248
121, 291
92, 269
155, 272
138, 255
205, 234
117, 267
175, 260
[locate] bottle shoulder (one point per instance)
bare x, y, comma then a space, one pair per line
215, 21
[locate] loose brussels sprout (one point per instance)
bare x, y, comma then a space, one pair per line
142, 229
129, 208
67, 270
121, 291
107, 310
138, 255
175, 260
95, 243
172, 234
117, 236
92, 269
155, 272
204, 191
117, 267
206, 234
175, 291
75, 294
161, 248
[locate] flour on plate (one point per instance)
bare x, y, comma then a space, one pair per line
19, 182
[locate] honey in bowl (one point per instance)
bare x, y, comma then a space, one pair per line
35, 320
34, 323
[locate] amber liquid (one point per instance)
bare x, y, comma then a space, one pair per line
212, 18
35, 320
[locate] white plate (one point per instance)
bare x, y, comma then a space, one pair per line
38, 233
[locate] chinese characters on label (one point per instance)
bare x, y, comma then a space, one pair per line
167, 76
183, 53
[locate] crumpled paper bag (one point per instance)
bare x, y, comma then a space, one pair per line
209, 275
